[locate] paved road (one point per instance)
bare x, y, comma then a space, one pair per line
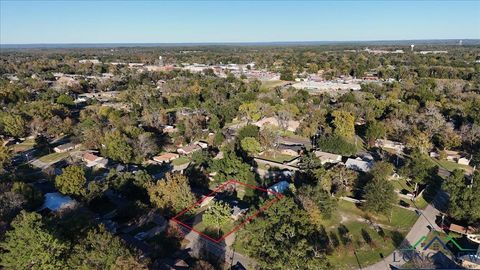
418, 230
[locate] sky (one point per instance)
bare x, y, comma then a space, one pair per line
104, 21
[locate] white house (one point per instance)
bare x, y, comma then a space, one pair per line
93, 160
358, 165
327, 157
66, 147
397, 146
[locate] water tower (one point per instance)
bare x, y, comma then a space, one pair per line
160, 61
411, 47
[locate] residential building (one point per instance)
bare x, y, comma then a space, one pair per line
359, 165
165, 157
279, 187
387, 144
326, 157
189, 149
66, 147
290, 125
93, 160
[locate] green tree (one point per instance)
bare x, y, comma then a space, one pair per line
375, 130
72, 181
217, 215
5, 155
379, 195
30, 246
344, 123
172, 194
250, 145
13, 125
283, 238
231, 167
65, 99
251, 111
117, 147
98, 250
464, 200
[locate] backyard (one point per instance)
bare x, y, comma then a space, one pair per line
275, 156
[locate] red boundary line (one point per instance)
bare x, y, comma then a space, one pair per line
278, 196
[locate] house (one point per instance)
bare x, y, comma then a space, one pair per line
202, 144
358, 165
279, 187
93, 160
165, 157
461, 229
55, 202
327, 157
66, 147
452, 156
187, 150
387, 144
291, 150
290, 125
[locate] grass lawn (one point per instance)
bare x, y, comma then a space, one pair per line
278, 157
272, 84
53, 157
180, 161
450, 166
366, 242
213, 232
400, 184
23, 146
361, 233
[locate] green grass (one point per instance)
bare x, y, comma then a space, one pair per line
180, 161
280, 158
53, 157
450, 166
400, 184
23, 146
213, 232
344, 257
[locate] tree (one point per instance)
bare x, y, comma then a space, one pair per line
379, 196
317, 202
464, 200
250, 145
336, 144
30, 246
344, 123
72, 181
13, 124
375, 130
98, 250
117, 147
231, 167
247, 131
217, 215
146, 145
283, 238
251, 111
65, 99
419, 140
419, 168
5, 154
172, 194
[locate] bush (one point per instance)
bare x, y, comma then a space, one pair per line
337, 145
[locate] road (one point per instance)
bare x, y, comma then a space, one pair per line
418, 230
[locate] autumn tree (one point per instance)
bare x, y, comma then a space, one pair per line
344, 123
172, 194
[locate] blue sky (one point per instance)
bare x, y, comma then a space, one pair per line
24, 22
